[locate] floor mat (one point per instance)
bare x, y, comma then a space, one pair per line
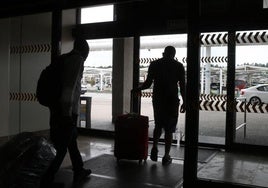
204, 154
126, 173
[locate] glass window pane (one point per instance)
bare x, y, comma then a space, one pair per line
265, 4
213, 77
97, 81
97, 14
252, 68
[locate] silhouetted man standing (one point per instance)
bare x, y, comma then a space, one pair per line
64, 114
166, 75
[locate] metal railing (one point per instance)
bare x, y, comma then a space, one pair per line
244, 124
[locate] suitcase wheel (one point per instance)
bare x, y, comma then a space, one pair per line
140, 160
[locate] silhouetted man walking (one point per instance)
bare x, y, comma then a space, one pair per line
166, 75
64, 114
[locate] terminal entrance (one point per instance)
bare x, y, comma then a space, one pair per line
251, 69
226, 66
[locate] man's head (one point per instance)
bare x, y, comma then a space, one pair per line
169, 52
81, 45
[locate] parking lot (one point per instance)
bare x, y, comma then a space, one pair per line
211, 123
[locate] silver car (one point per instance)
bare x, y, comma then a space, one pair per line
256, 94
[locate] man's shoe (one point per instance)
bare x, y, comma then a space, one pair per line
80, 176
154, 154
166, 160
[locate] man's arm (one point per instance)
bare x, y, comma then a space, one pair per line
148, 82
182, 90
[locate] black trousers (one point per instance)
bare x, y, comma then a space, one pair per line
64, 138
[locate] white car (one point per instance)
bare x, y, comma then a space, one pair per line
256, 94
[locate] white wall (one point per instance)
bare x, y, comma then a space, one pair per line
30, 52
36, 33
4, 79
25, 49
14, 75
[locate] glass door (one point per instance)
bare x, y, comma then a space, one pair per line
252, 87
213, 78
96, 94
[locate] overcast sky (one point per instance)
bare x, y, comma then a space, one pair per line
244, 54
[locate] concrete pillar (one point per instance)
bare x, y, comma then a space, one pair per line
207, 72
101, 81
221, 84
122, 75
202, 79
4, 72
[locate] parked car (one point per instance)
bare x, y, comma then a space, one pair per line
240, 84
256, 94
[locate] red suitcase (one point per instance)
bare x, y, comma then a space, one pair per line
131, 136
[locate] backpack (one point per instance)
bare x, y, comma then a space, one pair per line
49, 85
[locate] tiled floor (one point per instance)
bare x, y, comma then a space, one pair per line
91, 147
235, 168
214, 165
106, 171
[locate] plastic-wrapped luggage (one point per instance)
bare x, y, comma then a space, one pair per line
24, 159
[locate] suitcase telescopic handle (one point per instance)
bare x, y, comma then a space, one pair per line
135, 102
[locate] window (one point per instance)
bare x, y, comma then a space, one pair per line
97, 14
265, 3
251, 66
